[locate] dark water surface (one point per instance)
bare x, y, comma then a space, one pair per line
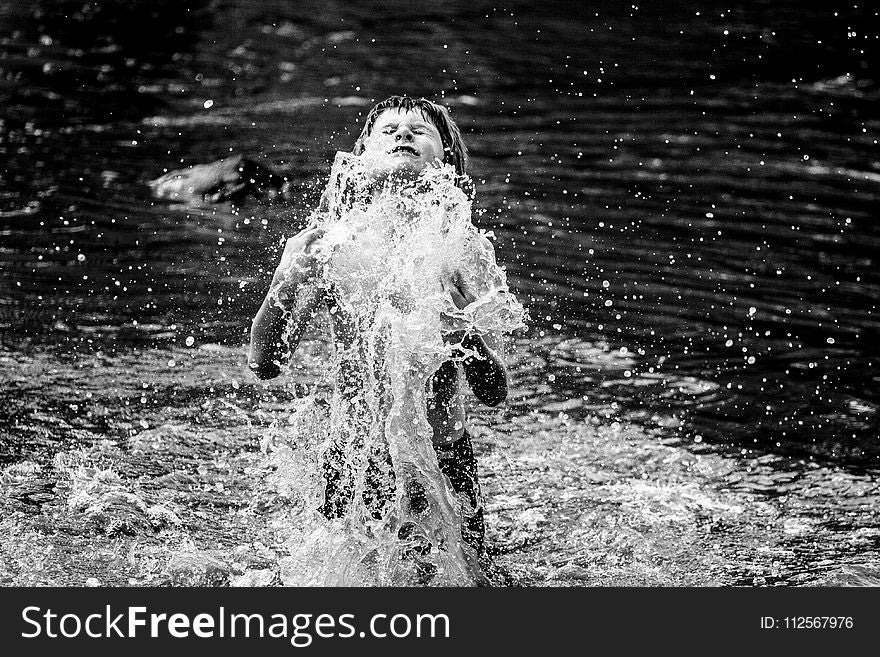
685, 198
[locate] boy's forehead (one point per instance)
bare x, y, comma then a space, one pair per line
398, 113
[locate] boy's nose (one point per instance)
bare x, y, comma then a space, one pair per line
403, 133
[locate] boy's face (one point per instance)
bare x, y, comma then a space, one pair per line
404, 141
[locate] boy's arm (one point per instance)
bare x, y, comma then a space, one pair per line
486, 374
485, 371
266, 356
269, 350
294, 283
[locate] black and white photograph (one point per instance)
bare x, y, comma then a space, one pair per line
439, 294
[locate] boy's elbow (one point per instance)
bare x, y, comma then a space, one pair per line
489, 386
264, 370
263, 360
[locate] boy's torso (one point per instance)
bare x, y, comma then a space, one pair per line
445, 405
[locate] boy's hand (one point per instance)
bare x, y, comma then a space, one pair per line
459, 290
462, 296
299, 261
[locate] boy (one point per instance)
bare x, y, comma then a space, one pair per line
401, 139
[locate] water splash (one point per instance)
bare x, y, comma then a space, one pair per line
373, 505
105, 500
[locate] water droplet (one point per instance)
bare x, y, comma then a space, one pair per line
209, 104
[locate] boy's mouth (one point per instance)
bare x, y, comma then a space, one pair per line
404, 148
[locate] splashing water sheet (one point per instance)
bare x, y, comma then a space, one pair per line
383, 257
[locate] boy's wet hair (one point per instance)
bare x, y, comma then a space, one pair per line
454, 150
